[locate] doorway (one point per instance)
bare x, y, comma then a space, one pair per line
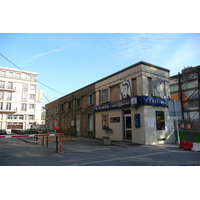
127, 125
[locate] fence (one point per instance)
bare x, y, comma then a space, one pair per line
189, 135
39, 135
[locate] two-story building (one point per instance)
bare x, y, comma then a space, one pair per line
133, 102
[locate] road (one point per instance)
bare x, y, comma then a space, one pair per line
15, 152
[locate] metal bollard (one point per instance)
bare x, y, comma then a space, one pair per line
42, 141
56, 143
47, 142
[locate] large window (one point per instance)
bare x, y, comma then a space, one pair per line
160, 120
10, 85
25, 87
24, 96
32, 96
78, 103
90, 100
1, 95
9, 96
2, 84
24, 107
15, 117
1, 105
105, 95
8, 106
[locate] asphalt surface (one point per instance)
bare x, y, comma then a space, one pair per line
92, 152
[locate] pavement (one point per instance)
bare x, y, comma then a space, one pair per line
82, 144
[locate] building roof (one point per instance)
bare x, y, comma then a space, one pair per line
17, 70
118, 72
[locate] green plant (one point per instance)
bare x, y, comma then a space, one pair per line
108, 131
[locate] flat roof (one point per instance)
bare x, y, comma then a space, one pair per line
120, 71
17, 70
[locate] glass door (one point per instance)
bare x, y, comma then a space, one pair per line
127, 128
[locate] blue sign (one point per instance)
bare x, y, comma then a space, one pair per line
133, 102
154, 101
114, 105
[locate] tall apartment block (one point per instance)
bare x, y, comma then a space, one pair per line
20, 99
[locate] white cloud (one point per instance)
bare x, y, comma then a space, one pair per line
142, 45
46, 53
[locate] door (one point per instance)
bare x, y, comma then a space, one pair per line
127, 128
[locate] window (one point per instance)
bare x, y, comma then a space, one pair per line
56, 109
1, 105
33, 87
3, 73
2, 84
32, 96
24, 97
78, 103
33, 78
24, 106
8, 106
70, 105
31, 117
105, 95
21, 117
18, 75
90, 100
51, 111
160, 120
9, 96
10, 85
31, 106
25, 87
10, 74
1, 95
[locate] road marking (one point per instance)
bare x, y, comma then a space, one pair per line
124, 158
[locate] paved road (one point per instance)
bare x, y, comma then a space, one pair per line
92, 152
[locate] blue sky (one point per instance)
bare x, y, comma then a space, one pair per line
69, 61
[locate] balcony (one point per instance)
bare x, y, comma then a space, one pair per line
9, 89
8, 111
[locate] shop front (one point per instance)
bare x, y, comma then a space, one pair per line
139, 119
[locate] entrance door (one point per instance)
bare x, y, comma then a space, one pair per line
127, 128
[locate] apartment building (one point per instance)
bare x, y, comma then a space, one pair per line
20, 99
185, 87
133, 102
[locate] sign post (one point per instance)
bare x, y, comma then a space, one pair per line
175, 111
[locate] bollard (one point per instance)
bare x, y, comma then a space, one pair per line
43, 141
61, 142
47, 142
56, 143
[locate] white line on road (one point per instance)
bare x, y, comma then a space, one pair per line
124, 158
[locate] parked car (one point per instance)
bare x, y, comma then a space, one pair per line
3, 132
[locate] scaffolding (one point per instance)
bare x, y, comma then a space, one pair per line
189, 94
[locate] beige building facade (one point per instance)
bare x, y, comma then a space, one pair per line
20, 99
134, 103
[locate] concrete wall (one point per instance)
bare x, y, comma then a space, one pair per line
117, 127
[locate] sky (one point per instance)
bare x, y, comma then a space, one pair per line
66, 62
75, 43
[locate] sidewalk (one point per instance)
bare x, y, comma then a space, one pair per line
80, 144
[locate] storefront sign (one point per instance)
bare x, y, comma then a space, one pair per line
133, 102
154, 101
114, 105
